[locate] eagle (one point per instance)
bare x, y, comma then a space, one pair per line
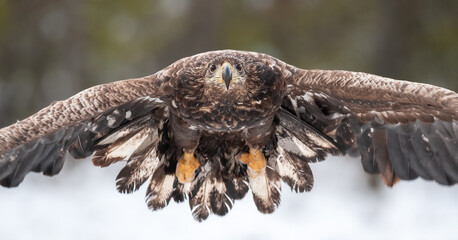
210, 127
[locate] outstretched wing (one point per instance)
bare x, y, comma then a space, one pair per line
78, 124
402, 130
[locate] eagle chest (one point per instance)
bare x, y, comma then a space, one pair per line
222, 111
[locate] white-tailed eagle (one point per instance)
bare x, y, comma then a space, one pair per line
211, 126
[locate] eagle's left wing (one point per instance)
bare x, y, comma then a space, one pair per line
401, 129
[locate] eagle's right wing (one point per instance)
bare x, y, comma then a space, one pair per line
80, 124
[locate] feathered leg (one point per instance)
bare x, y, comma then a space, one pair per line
186, 167
255, 161
264, 181
187, 139
256, 138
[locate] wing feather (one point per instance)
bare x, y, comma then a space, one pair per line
39, 143
293, 171
122, 143
87, 104
160, 189
142, 163
401, 129
303, 139
397, 156
366, 150
409, 151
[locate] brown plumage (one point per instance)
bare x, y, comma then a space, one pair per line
217, 107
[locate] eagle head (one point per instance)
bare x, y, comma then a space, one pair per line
224, 72
238, 88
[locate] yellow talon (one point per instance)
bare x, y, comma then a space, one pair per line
186, 168
255, 161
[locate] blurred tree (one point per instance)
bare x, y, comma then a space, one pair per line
41, 55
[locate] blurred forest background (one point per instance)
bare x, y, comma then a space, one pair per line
52, 49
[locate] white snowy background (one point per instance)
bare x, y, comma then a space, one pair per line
82, 203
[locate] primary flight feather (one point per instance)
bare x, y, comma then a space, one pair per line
212, 126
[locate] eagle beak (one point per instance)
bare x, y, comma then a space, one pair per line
227, 74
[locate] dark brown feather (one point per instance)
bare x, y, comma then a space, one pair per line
293, 171
313, 140
208, 194
397, 125
120, 144
40, 142
160, 189
85, 105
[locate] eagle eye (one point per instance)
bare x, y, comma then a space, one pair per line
212, 68
238, 67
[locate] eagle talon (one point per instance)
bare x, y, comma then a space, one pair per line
186, 168
255, 161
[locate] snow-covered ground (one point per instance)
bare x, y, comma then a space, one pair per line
82, 203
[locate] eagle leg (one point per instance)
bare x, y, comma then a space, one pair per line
255, 161
186, 167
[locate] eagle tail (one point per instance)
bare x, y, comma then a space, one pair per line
208, 193
181, 192
237, 184
266, 189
